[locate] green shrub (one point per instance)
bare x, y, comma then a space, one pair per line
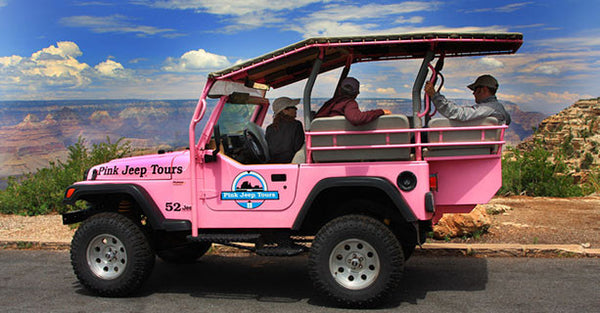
532, 173
42, 192
592, 185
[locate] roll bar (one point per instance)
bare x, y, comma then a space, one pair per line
309, 86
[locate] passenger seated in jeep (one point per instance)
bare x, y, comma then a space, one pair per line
285, 136
484, 90
344, 103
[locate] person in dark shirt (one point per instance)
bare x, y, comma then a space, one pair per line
344, 103
285, 136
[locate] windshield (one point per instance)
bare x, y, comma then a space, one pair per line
235, 117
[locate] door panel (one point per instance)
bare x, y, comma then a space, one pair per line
231, 186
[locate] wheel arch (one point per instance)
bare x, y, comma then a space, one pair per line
376, 189
108, 193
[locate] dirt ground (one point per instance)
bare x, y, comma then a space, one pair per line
541, 220
528, 221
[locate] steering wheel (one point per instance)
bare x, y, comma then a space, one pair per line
255, 143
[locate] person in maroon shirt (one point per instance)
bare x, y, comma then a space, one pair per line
344, 103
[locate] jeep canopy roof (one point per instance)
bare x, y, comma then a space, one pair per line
295, 62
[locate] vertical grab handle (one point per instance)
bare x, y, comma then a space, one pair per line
427, 100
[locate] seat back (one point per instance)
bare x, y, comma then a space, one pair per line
339, 123
462, 136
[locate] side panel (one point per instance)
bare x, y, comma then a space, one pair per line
465, 183
283, 213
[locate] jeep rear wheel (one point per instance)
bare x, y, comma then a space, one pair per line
356, 260
111, 255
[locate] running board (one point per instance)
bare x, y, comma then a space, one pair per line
284, 248
224, 238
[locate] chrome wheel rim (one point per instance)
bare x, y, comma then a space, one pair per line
354, 264
106, 256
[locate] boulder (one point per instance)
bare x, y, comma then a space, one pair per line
458, 225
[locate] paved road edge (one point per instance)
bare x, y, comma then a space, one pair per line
435, 249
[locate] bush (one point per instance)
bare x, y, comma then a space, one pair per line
42, 192
532, 173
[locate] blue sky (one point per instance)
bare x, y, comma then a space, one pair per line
160, 49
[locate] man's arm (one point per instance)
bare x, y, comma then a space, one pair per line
460, 113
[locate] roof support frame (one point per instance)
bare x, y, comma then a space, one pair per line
309, 86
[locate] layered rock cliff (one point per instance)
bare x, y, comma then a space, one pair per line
574, 132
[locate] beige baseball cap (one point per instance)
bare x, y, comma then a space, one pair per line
484, 80
283, 103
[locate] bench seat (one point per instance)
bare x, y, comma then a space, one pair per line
462, 136
339, 123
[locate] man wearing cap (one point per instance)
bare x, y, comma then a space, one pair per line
285, 135
345, 104
484, 90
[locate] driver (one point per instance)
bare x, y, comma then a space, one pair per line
484, 90
285, 136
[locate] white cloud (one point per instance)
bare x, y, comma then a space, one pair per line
548, 70
114, 24
386, 91
63, 49
339, 12
573, 43
10, 61
54, 65
3, 3
230, 7
412, 20
491, 62
545, 102
237, 14
196, 60
503, 9
373, 19
111, 68
54, 70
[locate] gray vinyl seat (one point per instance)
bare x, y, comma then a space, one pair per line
462, 136
394, 121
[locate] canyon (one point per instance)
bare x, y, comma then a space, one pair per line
33, 133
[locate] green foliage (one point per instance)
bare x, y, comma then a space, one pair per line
532, 173
42, 192
587, 161
593, 183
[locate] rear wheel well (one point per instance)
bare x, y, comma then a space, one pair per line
364, 200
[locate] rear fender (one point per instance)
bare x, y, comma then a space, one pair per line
371, 182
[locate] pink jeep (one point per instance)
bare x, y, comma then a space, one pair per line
358, 199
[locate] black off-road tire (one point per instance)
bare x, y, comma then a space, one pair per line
111, 255
356, 260
184, 254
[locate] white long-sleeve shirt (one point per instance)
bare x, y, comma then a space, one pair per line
488, 107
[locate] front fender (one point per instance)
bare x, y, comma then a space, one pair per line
99, 192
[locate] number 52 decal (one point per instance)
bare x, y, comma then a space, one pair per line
176, 206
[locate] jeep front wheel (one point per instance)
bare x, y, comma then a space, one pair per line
111, 255
356, 260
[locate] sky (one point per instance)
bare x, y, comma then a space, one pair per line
164, 49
